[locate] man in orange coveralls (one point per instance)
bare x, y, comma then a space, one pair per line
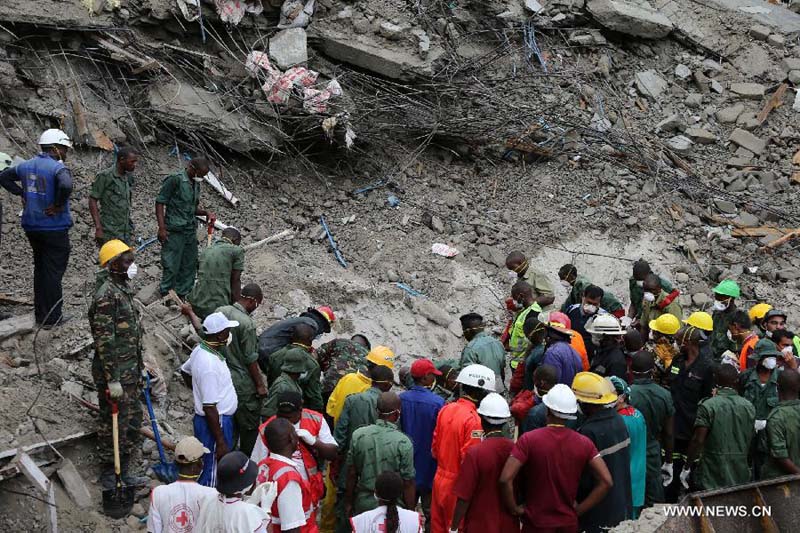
457, 428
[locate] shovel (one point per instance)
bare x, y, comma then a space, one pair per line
166, 472
117, 502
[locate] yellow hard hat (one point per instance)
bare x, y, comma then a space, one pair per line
110, 250
593, 388
667, 324
758, 311
381, 356
700, 320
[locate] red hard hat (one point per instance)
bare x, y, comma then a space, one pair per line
561, 318
327, 312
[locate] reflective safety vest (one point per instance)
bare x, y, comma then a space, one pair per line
747, 348
311, 421
282, 474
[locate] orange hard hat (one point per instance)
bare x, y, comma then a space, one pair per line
327, 312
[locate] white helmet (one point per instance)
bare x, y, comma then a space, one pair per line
561, 400
604, 325
5, 161
54, 136
477, 376
494, 408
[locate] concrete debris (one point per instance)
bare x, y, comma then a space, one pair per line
625, 16
682, 71
796, 105
17, 325
747, 140
74, 484
728, 115
759, 32
680, 144
650, 84
751, 91
693, 100
701, 136
296, 14
671, 123
393, 32
233, 11
288, 47
533, 6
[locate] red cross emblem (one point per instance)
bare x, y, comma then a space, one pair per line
181, 519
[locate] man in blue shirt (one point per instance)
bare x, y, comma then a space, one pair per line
580, 314
45, 185
419, 409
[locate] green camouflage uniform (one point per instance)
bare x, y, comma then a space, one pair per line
213, 287
764, 399
311, 382
115, 326
284, 383
114, 194
243, 351
180, 196
655, 404
337, 358
730, 420
719, 336
783, 437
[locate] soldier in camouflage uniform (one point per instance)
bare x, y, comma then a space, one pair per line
117, 365
219, 276
339, 357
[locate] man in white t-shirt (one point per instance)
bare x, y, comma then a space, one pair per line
175, 507
215, 400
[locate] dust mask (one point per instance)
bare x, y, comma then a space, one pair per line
729, 334
770, 363
565, 283
589, 309
132, 271
230, 339
649, 297
720, 306
787, 350
640, 283
197, 180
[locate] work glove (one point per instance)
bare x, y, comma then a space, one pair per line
307, 437
730, 358
667, 474
685, 477
760, 424
115, 390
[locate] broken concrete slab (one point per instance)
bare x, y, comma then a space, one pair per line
650, 84
728, 115
289, 47
751, 91
45, 13
701, 136
639, 20
682, 71
74, 484
753, 61
747, 140
680, 144
759, 32
17, 325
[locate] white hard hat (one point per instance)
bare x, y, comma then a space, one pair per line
54, 136
477, 376
561, 400
494, 408
216, 322
5, 161
604, 325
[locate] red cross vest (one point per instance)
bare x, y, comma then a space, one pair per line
282, 474
311, 421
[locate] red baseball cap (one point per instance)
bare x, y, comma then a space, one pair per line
423, 367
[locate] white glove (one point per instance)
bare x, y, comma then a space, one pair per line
115, 390
307, 437
666, 474
626, 321
760, 424
685, 477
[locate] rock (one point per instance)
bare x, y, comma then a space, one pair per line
289, 47
746, 219
747, 140
700, 299
716, 87
72, 387
709, 65
533, 6
392, 276
671, 123
650, 84
423, 42
682, 71
431, 311
680, 144
638, 20
701, 136
681, 277
788, 274
777, 40
790, 63
133, 523
726, 207
693, 100
393, 32
728, 115
149, 293
748, 120
794, 77
796, 104
436, 224
751, 91
759, 32
492, 255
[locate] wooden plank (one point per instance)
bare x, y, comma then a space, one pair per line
74, 484
760, 231
775, 101
140, 63
786, 238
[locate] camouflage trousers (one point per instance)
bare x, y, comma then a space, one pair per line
129, 421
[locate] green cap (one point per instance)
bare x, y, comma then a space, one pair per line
765, 348
294, 361
728, 287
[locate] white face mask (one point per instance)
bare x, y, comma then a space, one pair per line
133, 270
565, 283
649, 297
197, 180
230, 339
589, 309
787, 350
770, 363
640, 283
768, 334
729, 334
512, 276
720, 306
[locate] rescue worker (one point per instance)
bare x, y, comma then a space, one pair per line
576, 339
609, 359
215, 400
690, 379
280, 334
568, 274
705, 323
315, 443
483, 348
641, 269
311, 375
377, 448
220, 273
360, 409
293, 508
387, 517
784, 343
723, 432
606, 429
458, 427
756, 314
655, 404
176, 507
560, 354
177, 205
241, 356
446, 383
289, 381
662, 333
783, 430
479, 503
339, 357
741, 332
555, 458
45, 185
110, 198
420, 407
544, 379
520, 270
580, 313
656, 302
518, 343
117, 365
635, 423
725, 295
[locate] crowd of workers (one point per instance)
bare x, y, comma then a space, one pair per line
573, 419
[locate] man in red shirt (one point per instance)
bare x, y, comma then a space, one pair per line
554, 458
479, 502
458, 427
